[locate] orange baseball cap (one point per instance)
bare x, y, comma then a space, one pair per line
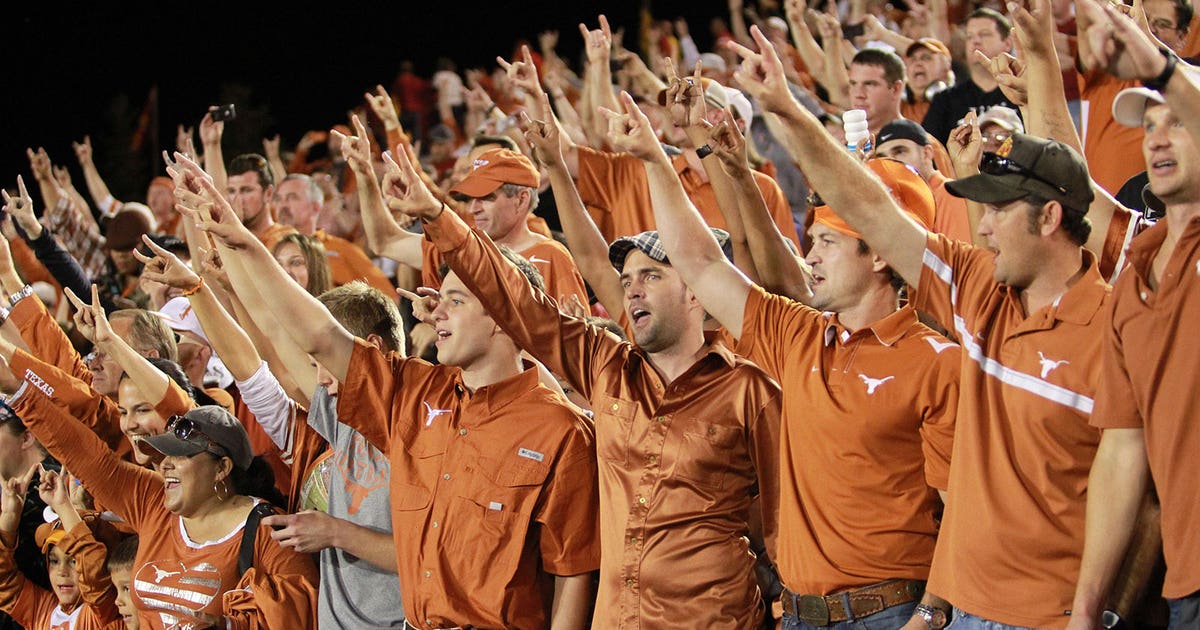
495, 168
906, 187
929, 43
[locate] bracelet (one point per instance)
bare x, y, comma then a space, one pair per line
704, 151
1159, 83
192, 291
25, 292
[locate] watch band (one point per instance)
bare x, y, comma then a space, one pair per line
935, 618
25, 292
1159, 83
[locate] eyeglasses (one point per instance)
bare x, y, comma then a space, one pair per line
998, 138
993, 164
187, 430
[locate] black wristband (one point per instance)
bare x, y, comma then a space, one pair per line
1159, 83
704, 151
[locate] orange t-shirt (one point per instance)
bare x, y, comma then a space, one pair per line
950, 212
679, 461
617, 194
1113, 151
868, 425
348, 262
274, 233
1151, 359
1012, 537
493, 491
176, 578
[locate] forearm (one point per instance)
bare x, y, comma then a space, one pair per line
1047, 115
779, 271
810, 51
95, 186
151, 381
684, 235
572, 602
377, 548
837, 78
1115, 487
384, 235
290, 365
214, 164
229, 341
48, 188
314, 330
585, 241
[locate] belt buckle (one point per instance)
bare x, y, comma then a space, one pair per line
813, 609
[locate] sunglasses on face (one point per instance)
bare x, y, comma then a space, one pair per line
993, 164
185, 429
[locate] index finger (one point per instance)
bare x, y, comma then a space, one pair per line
408, 295
604, 27
742, 51
527, 57
21, 188
28, 476
158, 251
75, 301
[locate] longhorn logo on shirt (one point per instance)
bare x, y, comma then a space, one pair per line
874, 383
177, 592
1049, 365
431, 413
364, 468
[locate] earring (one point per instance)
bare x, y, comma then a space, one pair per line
223, 493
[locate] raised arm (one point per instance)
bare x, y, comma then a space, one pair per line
802, 38
866, 206
210, 139
587, 244
693, 250
39, 163
384, 235
95, 184
305, 319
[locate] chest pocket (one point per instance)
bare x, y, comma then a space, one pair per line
614, 421
703, 452
493, 513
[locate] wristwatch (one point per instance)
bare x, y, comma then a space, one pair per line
25, 292
935, 618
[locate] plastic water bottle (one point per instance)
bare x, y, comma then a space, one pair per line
854, 123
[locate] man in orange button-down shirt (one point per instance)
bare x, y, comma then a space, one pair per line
686, 430
494, 497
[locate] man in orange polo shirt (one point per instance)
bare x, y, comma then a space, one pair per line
1029, 311
250, 187
494, 499
869, 405
686, 430
298, 200
1146, 394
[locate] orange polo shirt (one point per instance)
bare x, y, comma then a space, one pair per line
549, 256
617, 194
1151, 359
274, 233
950, 213
348, 263
176, 578
868, 425
679, 461
493, 491
1012, 536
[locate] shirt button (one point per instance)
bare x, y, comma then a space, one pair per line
429, 574
615, 406
642, 500
462, 431
446, 476
1143, 296
435, 524
629, 583
653, 459
633, 540
712, 430
660, 419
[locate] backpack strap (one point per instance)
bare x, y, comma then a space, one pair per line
250, 533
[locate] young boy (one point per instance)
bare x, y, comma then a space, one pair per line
120, 569
71, 553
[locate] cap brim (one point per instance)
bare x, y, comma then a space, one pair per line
988, 188
168, 444
1130, 104
475, 186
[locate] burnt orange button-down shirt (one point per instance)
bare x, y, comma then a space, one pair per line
1012, 537
493, 491
680, 462
868, 426
1151, 363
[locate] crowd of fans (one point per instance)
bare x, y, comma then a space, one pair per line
870, 317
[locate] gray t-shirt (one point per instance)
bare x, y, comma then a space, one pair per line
353, 593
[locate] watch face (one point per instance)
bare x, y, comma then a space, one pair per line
938, 619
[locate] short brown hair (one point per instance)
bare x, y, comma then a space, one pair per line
148, 331
890, 62
248, 162
364, 310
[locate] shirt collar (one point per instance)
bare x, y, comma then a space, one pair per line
888, 330
497, 395
1081, 302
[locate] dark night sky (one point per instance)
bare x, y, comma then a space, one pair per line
73, 72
